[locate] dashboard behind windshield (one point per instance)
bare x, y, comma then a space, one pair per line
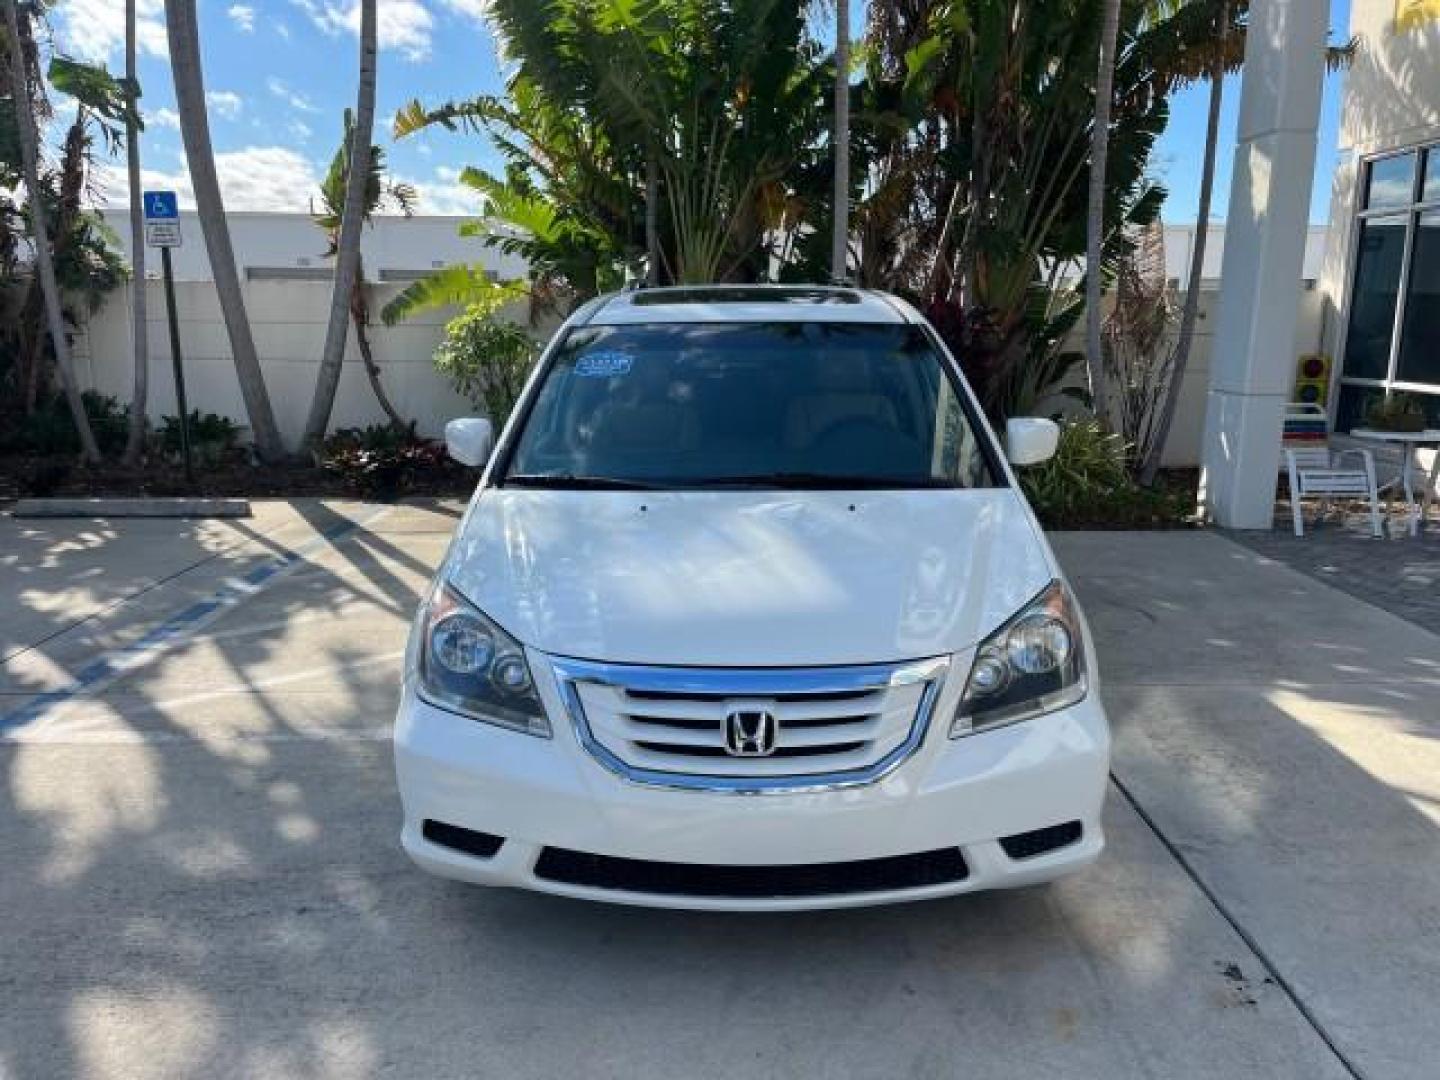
714, 405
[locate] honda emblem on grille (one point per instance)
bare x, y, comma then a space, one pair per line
750, 733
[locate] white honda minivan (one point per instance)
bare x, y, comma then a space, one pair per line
748, 612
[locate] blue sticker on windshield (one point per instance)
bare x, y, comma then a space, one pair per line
603, 365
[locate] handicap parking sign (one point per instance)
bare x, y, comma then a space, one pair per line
161, 206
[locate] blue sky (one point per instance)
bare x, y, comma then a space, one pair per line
280, 72
1177, 159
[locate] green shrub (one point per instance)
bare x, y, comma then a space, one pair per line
384, 474
1396, 411
50, 430
212, 437
1087, 484
380, 438
380, 461
487, 360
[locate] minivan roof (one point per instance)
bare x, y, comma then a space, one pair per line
747, 303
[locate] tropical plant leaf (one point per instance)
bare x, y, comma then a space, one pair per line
453, 286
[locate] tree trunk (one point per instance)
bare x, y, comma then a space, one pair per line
840, 237
347, 251
44, 266
71, 187
1150, 467
184, 37
652, 217
1095, 210
140, 334
360, 316
32, 343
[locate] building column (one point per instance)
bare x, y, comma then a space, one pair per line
1252, 362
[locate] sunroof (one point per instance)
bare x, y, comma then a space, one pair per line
740, 294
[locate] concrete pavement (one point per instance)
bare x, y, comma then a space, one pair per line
201, 875
1286, 739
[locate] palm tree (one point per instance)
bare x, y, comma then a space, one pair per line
335, 193
1150, 467
184, 37
44, 264
1095, 208
1221, 57
346, 245
136, 436
839, 240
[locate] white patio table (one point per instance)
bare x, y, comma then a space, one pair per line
1409, 442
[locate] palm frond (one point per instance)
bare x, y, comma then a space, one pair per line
453, 286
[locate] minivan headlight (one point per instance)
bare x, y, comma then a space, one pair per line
1033, 664
469, 665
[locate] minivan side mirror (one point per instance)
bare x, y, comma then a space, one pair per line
469, 440
1029, 440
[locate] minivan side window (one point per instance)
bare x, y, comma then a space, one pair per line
717, 405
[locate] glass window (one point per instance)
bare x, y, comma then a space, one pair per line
739, 405
1392, 181
1420, 333
1431, 191
1354, 402
1372, 301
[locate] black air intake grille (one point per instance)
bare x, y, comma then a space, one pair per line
752, 882
466, 841
1027, 845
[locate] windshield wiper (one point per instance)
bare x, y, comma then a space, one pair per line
572, 482
816, 481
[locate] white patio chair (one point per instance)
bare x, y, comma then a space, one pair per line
1317, 471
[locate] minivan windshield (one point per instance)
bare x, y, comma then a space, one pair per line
771, 405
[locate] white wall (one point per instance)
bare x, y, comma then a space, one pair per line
1180, 243
288, 320
270, 241
1182, 449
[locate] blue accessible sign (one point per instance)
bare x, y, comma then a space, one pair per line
161, 206
162, 219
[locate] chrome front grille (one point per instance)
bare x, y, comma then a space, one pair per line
826, 727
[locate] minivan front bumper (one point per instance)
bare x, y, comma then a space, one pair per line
1014, 806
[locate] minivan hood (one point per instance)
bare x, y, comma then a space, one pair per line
748, 579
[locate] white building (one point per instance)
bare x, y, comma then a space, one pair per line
286, 283
289, 246
1381, 275
1379, 321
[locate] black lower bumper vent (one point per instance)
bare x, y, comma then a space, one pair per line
1027, 845
467, 841
752, 882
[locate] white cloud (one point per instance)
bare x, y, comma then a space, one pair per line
478, 10
163, 118
404, 25
243, 16
255, 178
281, 90
224, 103
444, 194
300, 130
283, 29
95, 29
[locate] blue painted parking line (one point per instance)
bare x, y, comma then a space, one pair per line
177, 627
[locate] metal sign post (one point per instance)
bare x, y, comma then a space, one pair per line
162, 230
